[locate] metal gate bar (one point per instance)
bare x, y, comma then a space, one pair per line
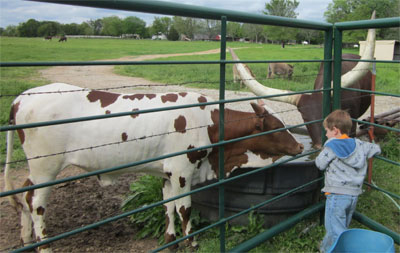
168, 8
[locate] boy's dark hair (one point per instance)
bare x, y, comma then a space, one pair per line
339, 119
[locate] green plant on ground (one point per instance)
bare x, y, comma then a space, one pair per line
151, 223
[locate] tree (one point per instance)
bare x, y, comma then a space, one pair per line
351, 10
311, 36
234, 30
29, 28
95, 25
11, 31
133, 25
161, 25
49, 28
211, 28
87, 29
112, 26
282, 8
253, 31
173, 34
186, 26
71, 29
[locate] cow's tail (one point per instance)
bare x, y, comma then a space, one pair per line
8, 184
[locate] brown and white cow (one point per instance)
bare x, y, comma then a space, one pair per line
137, 137
280, 69
354, 75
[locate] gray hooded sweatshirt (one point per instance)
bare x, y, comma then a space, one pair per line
345, 162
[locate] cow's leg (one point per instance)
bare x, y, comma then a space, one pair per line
169, 207
184, 210
180, 178
26, 221
26, 227
269, 72
35, 201
33, 213
39, 207
183, 205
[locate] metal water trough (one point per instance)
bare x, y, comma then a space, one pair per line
251, 190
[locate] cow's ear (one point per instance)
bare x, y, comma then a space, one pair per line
259, 110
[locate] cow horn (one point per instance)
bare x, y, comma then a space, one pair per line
259, 89
362, 67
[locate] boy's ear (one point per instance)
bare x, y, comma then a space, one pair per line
337, 130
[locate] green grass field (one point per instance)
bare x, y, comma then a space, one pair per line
15, 80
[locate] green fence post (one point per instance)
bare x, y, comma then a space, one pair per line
326, 106
221, 132
337, 69
326, 100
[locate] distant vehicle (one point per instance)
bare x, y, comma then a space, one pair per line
159, 36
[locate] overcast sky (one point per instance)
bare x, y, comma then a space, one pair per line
13, 12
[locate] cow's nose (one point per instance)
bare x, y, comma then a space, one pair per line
301, 147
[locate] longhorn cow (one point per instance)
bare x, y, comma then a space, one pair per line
280, 69
354, 75
137, 137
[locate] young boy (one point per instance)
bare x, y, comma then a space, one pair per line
345, 163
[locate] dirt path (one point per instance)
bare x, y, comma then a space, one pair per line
84, 201
95, 77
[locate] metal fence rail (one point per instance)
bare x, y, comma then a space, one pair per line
168, 8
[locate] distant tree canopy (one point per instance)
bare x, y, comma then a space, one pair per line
180, 27
351, 10
282, 8
111, 26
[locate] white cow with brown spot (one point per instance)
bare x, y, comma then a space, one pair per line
138, 137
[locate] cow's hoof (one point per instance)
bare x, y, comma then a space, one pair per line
173, 248
194, 245
191, 245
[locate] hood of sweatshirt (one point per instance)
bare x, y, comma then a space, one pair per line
343, 148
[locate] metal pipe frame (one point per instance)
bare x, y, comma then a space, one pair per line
168, 8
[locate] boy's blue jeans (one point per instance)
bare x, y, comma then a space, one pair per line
338, 212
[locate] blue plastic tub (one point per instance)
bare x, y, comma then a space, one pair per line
361, 240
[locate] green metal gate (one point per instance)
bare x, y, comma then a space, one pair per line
168, 8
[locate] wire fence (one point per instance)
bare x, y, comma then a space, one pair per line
222, 221
149, 136
294, 78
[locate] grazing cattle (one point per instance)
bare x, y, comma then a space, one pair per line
280, 69
62, 39
48, 38
354, 75
136, 137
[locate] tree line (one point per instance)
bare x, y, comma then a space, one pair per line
176, 28
110, 26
